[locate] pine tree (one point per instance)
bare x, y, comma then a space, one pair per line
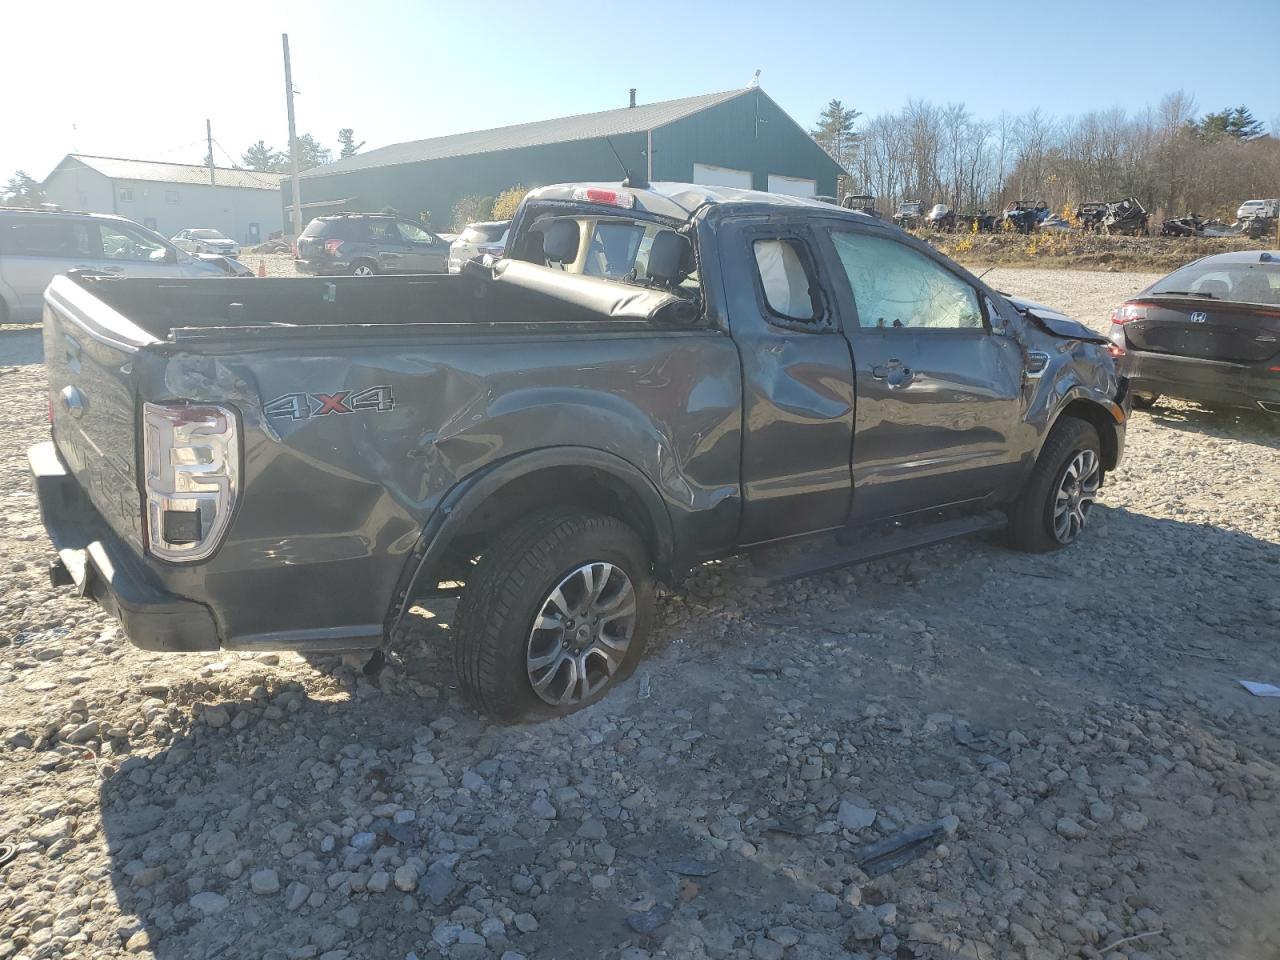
347, 137
835, 133
261, 157
23, 190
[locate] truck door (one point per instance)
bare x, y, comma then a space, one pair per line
939, 394
797, 384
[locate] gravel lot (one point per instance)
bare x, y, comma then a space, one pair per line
1070, 725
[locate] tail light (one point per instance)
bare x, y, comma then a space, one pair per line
615, 198
1128, 312
1116, 351
191, 465
331, 247
294, 248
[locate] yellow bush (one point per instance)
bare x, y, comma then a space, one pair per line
504, 208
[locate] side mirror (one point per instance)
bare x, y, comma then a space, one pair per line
170, 255
995, 318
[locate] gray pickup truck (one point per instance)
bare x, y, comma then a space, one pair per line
656, 377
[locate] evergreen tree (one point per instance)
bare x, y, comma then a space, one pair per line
835, 134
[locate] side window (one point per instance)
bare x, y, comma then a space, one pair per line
37, 237
122, 243
894, 286
411, 233
381, 231
785, 269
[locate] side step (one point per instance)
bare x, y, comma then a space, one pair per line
772, 565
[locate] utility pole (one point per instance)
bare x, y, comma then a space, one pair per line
208, 136
293, 139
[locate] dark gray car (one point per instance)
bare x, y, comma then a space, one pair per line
1209, 332
365, 244
658, 377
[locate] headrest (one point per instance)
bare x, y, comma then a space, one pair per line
668, 257
560, 241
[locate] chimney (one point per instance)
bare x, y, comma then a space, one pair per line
633, 97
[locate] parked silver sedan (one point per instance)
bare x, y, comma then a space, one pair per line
206, 240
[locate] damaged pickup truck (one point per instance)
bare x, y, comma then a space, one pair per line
658, 376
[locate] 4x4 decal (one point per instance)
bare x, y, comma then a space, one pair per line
304, 406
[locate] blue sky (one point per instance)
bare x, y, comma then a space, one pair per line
139, 79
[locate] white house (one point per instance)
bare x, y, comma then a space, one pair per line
169, 197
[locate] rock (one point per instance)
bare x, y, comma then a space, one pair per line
521, 884
446, 934
650, 920
209, 903
1070, 829
1201, 805
216, 715
1133, 820
439, 883
296, 895
364, 842
823, 902
864, 925
525, 922
766, 950
1101, 811
787, 936
348, 916
938, 789
592, 829
854, 816
140, 942
53, 831
406, 879
83, 733
264, 882
378, 882
542, 809
1256, 880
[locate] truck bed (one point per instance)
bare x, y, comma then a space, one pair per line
511, 294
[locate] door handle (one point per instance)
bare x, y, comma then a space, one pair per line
882, 371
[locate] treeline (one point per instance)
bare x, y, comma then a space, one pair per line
1170, 158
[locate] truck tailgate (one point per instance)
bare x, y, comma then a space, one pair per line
90, 352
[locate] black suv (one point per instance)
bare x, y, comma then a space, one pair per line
364, 244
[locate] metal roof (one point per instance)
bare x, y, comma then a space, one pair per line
586, 126
118, 168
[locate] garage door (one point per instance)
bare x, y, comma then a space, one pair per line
792, 186
710, 176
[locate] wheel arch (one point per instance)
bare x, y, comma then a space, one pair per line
1107, 417
581, 477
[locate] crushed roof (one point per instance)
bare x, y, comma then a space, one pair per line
118, 168
586, 126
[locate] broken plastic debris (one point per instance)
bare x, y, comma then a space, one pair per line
879, 858
1260, 689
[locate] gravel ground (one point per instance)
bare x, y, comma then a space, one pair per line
1066, 728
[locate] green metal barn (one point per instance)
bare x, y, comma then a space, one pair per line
737, 138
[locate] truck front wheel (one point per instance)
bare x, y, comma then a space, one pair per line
555, 614
1054, 506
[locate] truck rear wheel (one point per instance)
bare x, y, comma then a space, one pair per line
1054, 506
554, 615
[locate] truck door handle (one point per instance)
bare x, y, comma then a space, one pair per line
882, 371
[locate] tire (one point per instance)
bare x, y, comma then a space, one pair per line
1145, 401
364, 268
1034, 523
498, 651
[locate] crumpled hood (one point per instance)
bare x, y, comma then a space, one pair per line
1055, 322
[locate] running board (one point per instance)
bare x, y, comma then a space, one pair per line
871, 545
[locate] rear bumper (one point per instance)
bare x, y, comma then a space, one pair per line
103, 567
1206, 381
321, 268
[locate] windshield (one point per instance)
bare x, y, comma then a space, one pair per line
483, 233
206, 235
1244, 282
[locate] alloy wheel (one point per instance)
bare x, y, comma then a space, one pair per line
581, 634
1076, 493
